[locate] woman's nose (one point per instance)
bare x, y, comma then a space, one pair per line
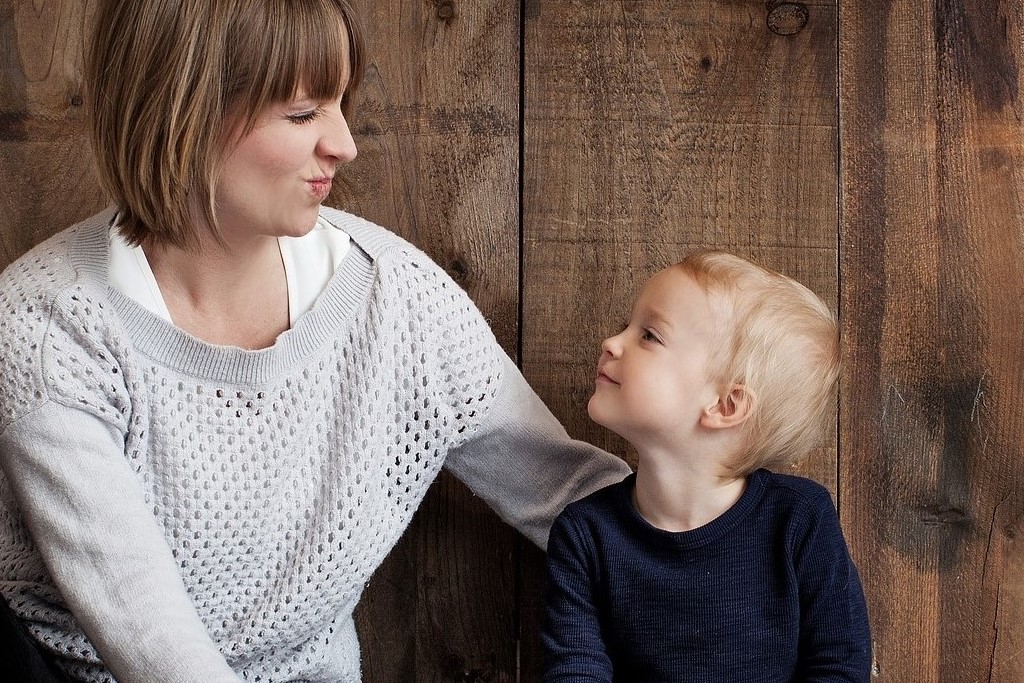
337, 141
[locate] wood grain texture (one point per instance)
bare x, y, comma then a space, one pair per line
437, 127
931, 467
652, 128
46, 178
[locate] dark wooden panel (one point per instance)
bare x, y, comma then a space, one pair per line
931, 426
46, 179
653, 128
437, 126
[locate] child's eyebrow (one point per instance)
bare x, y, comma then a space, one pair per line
655, 318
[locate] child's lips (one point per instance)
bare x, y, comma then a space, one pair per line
602, 378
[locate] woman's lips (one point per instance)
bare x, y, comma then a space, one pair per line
320, 187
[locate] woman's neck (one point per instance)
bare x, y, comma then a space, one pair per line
233, 297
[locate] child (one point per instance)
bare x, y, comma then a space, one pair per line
704, 566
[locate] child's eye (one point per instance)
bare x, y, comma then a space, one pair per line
649, 336
305, 117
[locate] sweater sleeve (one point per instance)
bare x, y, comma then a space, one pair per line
835, 639
88, 518
508, 448
64, 412
574, 649
521, 461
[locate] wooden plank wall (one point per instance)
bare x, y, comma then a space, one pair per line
932, 263
552, 154
438, 134
654, 127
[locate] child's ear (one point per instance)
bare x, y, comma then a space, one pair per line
731, 410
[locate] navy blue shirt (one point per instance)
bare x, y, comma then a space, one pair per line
765, 592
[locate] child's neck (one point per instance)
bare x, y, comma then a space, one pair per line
681, 496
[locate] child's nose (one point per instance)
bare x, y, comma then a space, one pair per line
612, 345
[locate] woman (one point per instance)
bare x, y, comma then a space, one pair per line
223, 402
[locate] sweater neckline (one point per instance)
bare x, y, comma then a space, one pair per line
169, 346
703, 535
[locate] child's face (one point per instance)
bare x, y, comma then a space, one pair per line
654, 378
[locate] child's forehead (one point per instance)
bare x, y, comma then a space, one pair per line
672, 284
675, 296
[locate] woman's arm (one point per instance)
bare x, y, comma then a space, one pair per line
574, 649
86, 513
523, 463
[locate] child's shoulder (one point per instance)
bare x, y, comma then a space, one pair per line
600, 514
601, 501
797, 490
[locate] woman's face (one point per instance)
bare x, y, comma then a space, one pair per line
273, 180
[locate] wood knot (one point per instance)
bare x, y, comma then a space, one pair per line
943, 515
445, 10
454, 667
458, 270
13, 126
76, 100
788, 18
705, 63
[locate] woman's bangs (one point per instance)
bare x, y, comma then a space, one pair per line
323, 57
310, 47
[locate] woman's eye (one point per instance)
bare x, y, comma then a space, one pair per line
305, 117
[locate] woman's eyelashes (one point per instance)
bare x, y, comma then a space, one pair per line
306, 117
309, 115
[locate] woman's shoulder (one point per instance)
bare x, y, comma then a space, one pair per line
52, 317
59, 262
368, 236
392, 254
57, 282
402, 269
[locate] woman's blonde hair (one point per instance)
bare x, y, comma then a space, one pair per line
782, 342
170, 84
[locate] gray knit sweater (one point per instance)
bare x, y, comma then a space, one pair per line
208, 513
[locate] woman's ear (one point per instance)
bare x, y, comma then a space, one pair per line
731, 410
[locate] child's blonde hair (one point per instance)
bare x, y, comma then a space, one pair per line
782, 342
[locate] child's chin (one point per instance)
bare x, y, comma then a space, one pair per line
594, 411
